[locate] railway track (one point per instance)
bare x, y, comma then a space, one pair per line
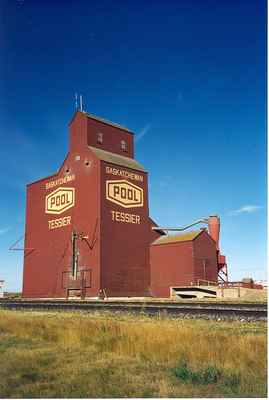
208, 310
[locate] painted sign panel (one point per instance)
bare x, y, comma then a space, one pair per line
124, 193
60, 200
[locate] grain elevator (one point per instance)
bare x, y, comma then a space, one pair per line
88, 224
88, 232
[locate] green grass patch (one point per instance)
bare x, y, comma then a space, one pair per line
203, 376
8, 341
225, 380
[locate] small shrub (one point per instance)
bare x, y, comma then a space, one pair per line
31, 375
10, 341
210, 375
202, 376
182, 372
232, 379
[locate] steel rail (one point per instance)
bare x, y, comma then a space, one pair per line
192, 304
181, 310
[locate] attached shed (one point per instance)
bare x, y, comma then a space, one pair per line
182, 260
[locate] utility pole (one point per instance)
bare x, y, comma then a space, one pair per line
74, 255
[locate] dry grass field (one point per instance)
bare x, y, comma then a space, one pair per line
52, 354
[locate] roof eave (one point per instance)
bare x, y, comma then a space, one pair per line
125, 160
103, 120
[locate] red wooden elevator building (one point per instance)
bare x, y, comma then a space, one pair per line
88, 230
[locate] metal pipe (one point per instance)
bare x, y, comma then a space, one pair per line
200, 221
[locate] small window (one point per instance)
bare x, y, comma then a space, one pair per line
99, 137
123, 145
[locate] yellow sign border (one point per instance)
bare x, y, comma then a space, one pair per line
72, 189
141, 204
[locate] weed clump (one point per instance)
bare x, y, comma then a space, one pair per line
205, 376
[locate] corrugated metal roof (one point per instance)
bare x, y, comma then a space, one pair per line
183, 237
117, 159
106, 121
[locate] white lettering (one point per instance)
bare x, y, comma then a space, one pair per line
124, 174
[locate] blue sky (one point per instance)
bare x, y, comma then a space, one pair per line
188, 77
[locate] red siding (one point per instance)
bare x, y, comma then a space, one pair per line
78, 129
171, 265
181, 264
84, 131
112, 138
52, 252
125, 246
205, 258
